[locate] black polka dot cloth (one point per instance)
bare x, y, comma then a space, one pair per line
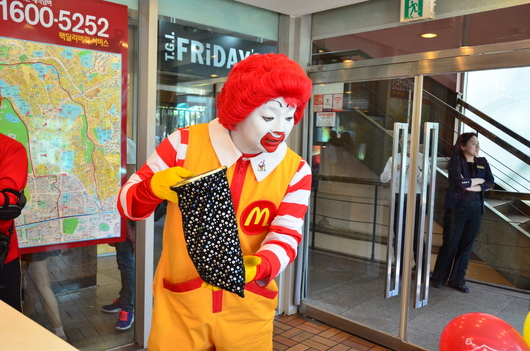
210, 230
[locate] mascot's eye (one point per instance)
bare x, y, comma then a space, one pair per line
268, 119
289, 119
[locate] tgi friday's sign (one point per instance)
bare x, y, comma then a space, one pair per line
186, 50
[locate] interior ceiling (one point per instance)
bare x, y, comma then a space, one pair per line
298, 8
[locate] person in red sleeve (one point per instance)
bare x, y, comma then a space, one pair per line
13, 178
261, 101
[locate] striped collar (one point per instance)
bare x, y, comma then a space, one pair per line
228, 154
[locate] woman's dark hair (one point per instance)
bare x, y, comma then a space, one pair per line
462, 141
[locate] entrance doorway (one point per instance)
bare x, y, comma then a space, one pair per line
351, 207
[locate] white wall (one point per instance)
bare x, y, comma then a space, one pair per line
504, 95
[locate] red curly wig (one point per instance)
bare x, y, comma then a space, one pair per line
258, 79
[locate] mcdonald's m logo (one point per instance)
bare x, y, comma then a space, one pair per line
257, 217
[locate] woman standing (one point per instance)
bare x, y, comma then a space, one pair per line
469, 177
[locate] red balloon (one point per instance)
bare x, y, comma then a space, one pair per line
481, 332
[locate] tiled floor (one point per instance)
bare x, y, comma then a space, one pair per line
88, 328
352, 289
337, 290
296, 333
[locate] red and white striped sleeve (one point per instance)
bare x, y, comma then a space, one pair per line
285, 234
136, 200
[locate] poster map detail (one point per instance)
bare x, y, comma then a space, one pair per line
64, 104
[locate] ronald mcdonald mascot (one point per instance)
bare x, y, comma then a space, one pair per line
261, 101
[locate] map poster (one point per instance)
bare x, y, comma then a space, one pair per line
63, 94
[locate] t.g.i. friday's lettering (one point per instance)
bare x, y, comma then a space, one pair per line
202, 54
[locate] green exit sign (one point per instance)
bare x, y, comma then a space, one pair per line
412, 10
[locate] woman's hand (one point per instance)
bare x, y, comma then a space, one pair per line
477, 181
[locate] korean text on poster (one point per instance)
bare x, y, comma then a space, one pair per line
63, 94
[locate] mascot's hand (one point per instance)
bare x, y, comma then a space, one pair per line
251, 267
210, 286
161, 181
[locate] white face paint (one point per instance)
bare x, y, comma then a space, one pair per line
265, 128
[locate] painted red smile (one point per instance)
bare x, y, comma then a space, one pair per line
270, 142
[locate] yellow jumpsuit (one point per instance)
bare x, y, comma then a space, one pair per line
188, 317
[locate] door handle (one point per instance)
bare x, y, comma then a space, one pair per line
395, 232
424, 242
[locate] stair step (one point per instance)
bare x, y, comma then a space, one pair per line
442, 163
525, 225
497, 202
514, 214
518, 219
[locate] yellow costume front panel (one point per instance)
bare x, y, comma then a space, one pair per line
189, 317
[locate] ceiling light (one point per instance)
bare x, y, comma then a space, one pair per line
213, 75
429, 35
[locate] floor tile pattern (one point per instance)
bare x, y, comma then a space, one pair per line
297, 333
90, 329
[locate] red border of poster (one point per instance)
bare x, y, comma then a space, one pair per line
91, 24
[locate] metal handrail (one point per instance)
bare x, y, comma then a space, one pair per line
495, 123
483, 131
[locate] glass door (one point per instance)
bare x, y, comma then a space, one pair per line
356, 255
358, 262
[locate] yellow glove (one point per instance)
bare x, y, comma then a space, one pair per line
251, 267
161, 181
210, 286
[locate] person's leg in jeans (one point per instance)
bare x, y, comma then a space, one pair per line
124, 304
125, 260
10, 284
